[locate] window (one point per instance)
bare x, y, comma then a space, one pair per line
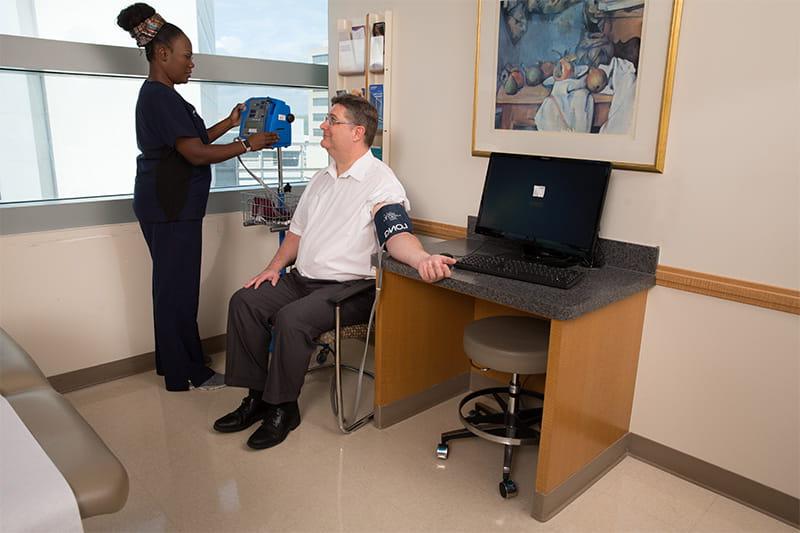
321, 102
285, 30
71, 135
262, 29
52, 145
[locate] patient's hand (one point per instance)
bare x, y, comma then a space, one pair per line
267, 274
435, 267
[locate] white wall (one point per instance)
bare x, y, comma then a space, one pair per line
82, 297
717, 380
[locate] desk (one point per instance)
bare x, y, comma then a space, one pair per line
595, 334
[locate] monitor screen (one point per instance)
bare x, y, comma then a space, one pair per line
548, 203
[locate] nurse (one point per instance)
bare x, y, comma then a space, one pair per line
173, 177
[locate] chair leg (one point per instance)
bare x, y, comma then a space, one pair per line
508, 489
322, 355
456, 434
443, 449
482, 408
344, 426
511, 427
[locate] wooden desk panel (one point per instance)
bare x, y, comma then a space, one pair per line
595, 336
591, 375
591, 369
419, 337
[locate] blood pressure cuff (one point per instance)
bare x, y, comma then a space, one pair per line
390, 220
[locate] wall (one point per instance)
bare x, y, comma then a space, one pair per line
717, 380
81, 297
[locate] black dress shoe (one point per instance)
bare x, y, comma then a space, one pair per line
251, 411
278, 422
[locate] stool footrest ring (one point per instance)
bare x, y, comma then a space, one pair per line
493, 431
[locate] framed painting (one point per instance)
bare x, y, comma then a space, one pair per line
584, 79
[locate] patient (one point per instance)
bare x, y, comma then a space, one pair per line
347, 211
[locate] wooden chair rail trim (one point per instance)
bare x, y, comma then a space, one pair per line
736, 290
438, 229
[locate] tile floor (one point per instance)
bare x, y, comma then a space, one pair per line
185, 477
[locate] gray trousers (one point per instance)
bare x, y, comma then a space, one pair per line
296, 311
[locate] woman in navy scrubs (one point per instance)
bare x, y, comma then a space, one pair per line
173, 177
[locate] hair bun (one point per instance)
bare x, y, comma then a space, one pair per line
133, 15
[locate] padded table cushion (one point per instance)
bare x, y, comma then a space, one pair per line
94, 474
18, 372
513, 344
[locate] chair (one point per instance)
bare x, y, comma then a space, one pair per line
96, 477
330, 343
512, 344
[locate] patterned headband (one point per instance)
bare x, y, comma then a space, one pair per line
147, 29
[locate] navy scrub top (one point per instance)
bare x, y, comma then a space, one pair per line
167, 186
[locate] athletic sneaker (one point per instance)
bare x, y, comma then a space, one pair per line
217, 381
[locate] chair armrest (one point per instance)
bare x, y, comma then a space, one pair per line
18, 371
97, 478
351, 290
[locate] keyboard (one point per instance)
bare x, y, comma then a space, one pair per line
520, 269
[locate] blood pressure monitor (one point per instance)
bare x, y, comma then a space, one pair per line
267, 114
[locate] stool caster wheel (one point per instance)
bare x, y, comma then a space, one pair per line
442, 451
508, 489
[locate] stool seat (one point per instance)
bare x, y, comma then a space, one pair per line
513, 344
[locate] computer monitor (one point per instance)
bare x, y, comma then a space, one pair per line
551, 205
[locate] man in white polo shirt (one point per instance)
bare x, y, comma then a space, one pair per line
331, 239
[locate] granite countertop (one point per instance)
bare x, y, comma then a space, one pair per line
629, 269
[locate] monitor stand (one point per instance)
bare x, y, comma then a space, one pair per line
554, 258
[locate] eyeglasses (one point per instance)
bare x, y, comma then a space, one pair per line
332, 121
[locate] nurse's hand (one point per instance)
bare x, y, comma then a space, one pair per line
259, 141
268, 274
235, 116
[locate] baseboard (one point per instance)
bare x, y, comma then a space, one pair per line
762, 498
546, 506
755, 495
386, 415
86, 377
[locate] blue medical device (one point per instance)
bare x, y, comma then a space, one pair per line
267, 114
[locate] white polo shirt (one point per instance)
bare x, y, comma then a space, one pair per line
334, 219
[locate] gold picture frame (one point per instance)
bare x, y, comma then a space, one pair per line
639, 145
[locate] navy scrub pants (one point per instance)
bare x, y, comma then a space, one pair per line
176, 249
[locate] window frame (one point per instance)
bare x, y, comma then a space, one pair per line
49, 56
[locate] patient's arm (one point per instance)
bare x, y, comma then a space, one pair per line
405, 246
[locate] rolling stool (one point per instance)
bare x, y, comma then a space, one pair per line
512, 344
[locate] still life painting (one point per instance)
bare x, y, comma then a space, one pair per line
576, 78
